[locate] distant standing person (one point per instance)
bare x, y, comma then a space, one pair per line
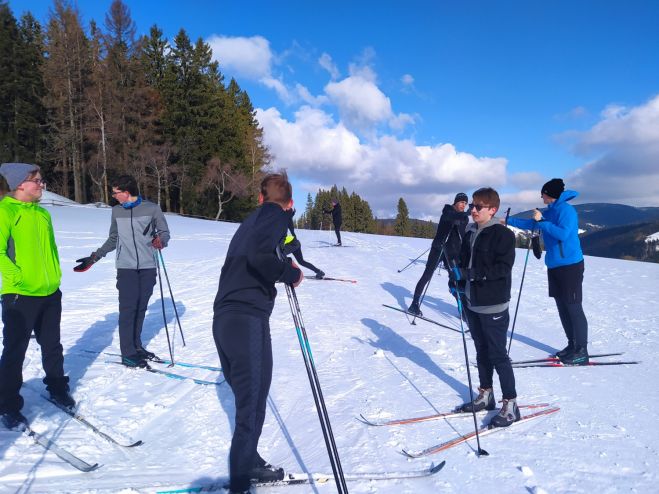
559, 225
445, 246
484, 276
293, 246
31, 298
241, 324
337, 219
131, 235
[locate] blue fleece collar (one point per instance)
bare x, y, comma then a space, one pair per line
131, 205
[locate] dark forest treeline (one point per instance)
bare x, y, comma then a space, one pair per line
88, 103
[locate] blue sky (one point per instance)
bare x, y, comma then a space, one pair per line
424, 99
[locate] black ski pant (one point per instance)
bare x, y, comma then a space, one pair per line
337, 230
566, 287
245, 349
22, 314
300, 260
135, 289
431, 264
574, 323
489, 332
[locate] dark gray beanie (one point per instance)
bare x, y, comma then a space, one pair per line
460, 197
16, 173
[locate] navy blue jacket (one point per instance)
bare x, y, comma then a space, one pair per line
252, 267
450, 232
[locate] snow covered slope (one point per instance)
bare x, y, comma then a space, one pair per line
370, 360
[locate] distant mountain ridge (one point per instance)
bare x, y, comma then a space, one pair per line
598, 215
616, 230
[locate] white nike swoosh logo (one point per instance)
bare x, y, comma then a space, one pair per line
496, 318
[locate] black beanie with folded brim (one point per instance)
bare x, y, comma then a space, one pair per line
554, 188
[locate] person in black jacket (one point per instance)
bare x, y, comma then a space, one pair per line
293, 246
484, 279
241, 324
337, 219
445, 246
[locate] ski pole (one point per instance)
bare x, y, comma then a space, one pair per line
439, 259
171, 295
481, 451
412, 262
164, 317
154, 233
319, 401
519, 295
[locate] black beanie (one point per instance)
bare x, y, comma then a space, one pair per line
554, 188
460, 197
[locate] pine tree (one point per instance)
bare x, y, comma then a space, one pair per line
65, 76
402, 224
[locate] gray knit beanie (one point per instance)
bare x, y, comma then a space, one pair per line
16, 173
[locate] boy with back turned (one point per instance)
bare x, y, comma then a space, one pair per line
241, 324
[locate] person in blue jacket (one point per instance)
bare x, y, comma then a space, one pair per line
559, 226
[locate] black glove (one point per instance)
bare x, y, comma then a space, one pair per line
460, 274
85, 263
537, 250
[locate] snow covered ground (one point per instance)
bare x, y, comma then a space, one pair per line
370, 360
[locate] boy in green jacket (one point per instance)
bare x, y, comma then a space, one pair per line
31, 299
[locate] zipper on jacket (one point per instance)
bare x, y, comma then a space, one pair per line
132, 228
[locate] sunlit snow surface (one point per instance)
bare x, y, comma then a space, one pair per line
370, 361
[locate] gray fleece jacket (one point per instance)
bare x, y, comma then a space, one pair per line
128, 237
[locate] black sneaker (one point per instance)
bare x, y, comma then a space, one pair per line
320, 275
579, 356
565, 351
135, 361
415, 309
13, 420
63, 398
266, 473
484, 401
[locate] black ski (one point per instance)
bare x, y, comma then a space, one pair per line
422, 317
74, 414
164, 361
560, 364
316, 478
553, 358
171, 375
65, 455
326, 278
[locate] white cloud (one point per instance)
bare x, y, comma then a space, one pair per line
360, 101
407, 80
305, 95
244, 57
315, 148
279, 87
326, 62
623, 148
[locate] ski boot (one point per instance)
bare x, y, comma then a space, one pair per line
484, 401
508, 414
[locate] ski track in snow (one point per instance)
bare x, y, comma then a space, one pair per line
369, 360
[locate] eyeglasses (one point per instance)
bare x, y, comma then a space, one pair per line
38, 181
117, 192
478, 207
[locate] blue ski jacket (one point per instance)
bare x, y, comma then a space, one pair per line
560, 231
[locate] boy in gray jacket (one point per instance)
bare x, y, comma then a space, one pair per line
138, 227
